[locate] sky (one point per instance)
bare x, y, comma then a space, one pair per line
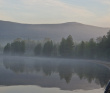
91, 12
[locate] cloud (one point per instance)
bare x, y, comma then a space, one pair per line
43, 11
4, 16
55, 9
103, 21
1, 1
50, 11
107, 2
59, 6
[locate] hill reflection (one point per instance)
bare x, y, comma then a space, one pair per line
52, 73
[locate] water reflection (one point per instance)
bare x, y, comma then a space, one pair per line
45, 72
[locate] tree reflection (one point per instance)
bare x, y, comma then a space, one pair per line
66, 69
16, 65
48, 68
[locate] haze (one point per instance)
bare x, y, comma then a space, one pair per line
92, 12
10, 31
60, 46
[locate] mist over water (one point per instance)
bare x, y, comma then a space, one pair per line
65, 74
62, 53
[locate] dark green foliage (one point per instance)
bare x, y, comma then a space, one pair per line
7, 48
86, 49
62, 47
17, 47
104, 47
48, 48
80, 50
69, 46
66, 47
38, 49
55, 50
99, 49
92, 48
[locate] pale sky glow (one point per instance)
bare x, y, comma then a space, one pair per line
92, 12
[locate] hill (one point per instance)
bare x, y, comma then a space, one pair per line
10, 31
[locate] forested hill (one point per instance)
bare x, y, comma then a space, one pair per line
10, 31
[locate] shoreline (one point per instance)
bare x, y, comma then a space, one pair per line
104, 63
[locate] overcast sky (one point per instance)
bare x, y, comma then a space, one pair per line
92, 12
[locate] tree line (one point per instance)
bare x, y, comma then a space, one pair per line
16, 47
92, 49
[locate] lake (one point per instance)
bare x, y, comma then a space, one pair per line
51, 75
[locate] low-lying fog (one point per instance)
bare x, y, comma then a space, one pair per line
66, 74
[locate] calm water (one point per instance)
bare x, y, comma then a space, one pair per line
51, 75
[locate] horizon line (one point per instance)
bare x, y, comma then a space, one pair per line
52, 23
